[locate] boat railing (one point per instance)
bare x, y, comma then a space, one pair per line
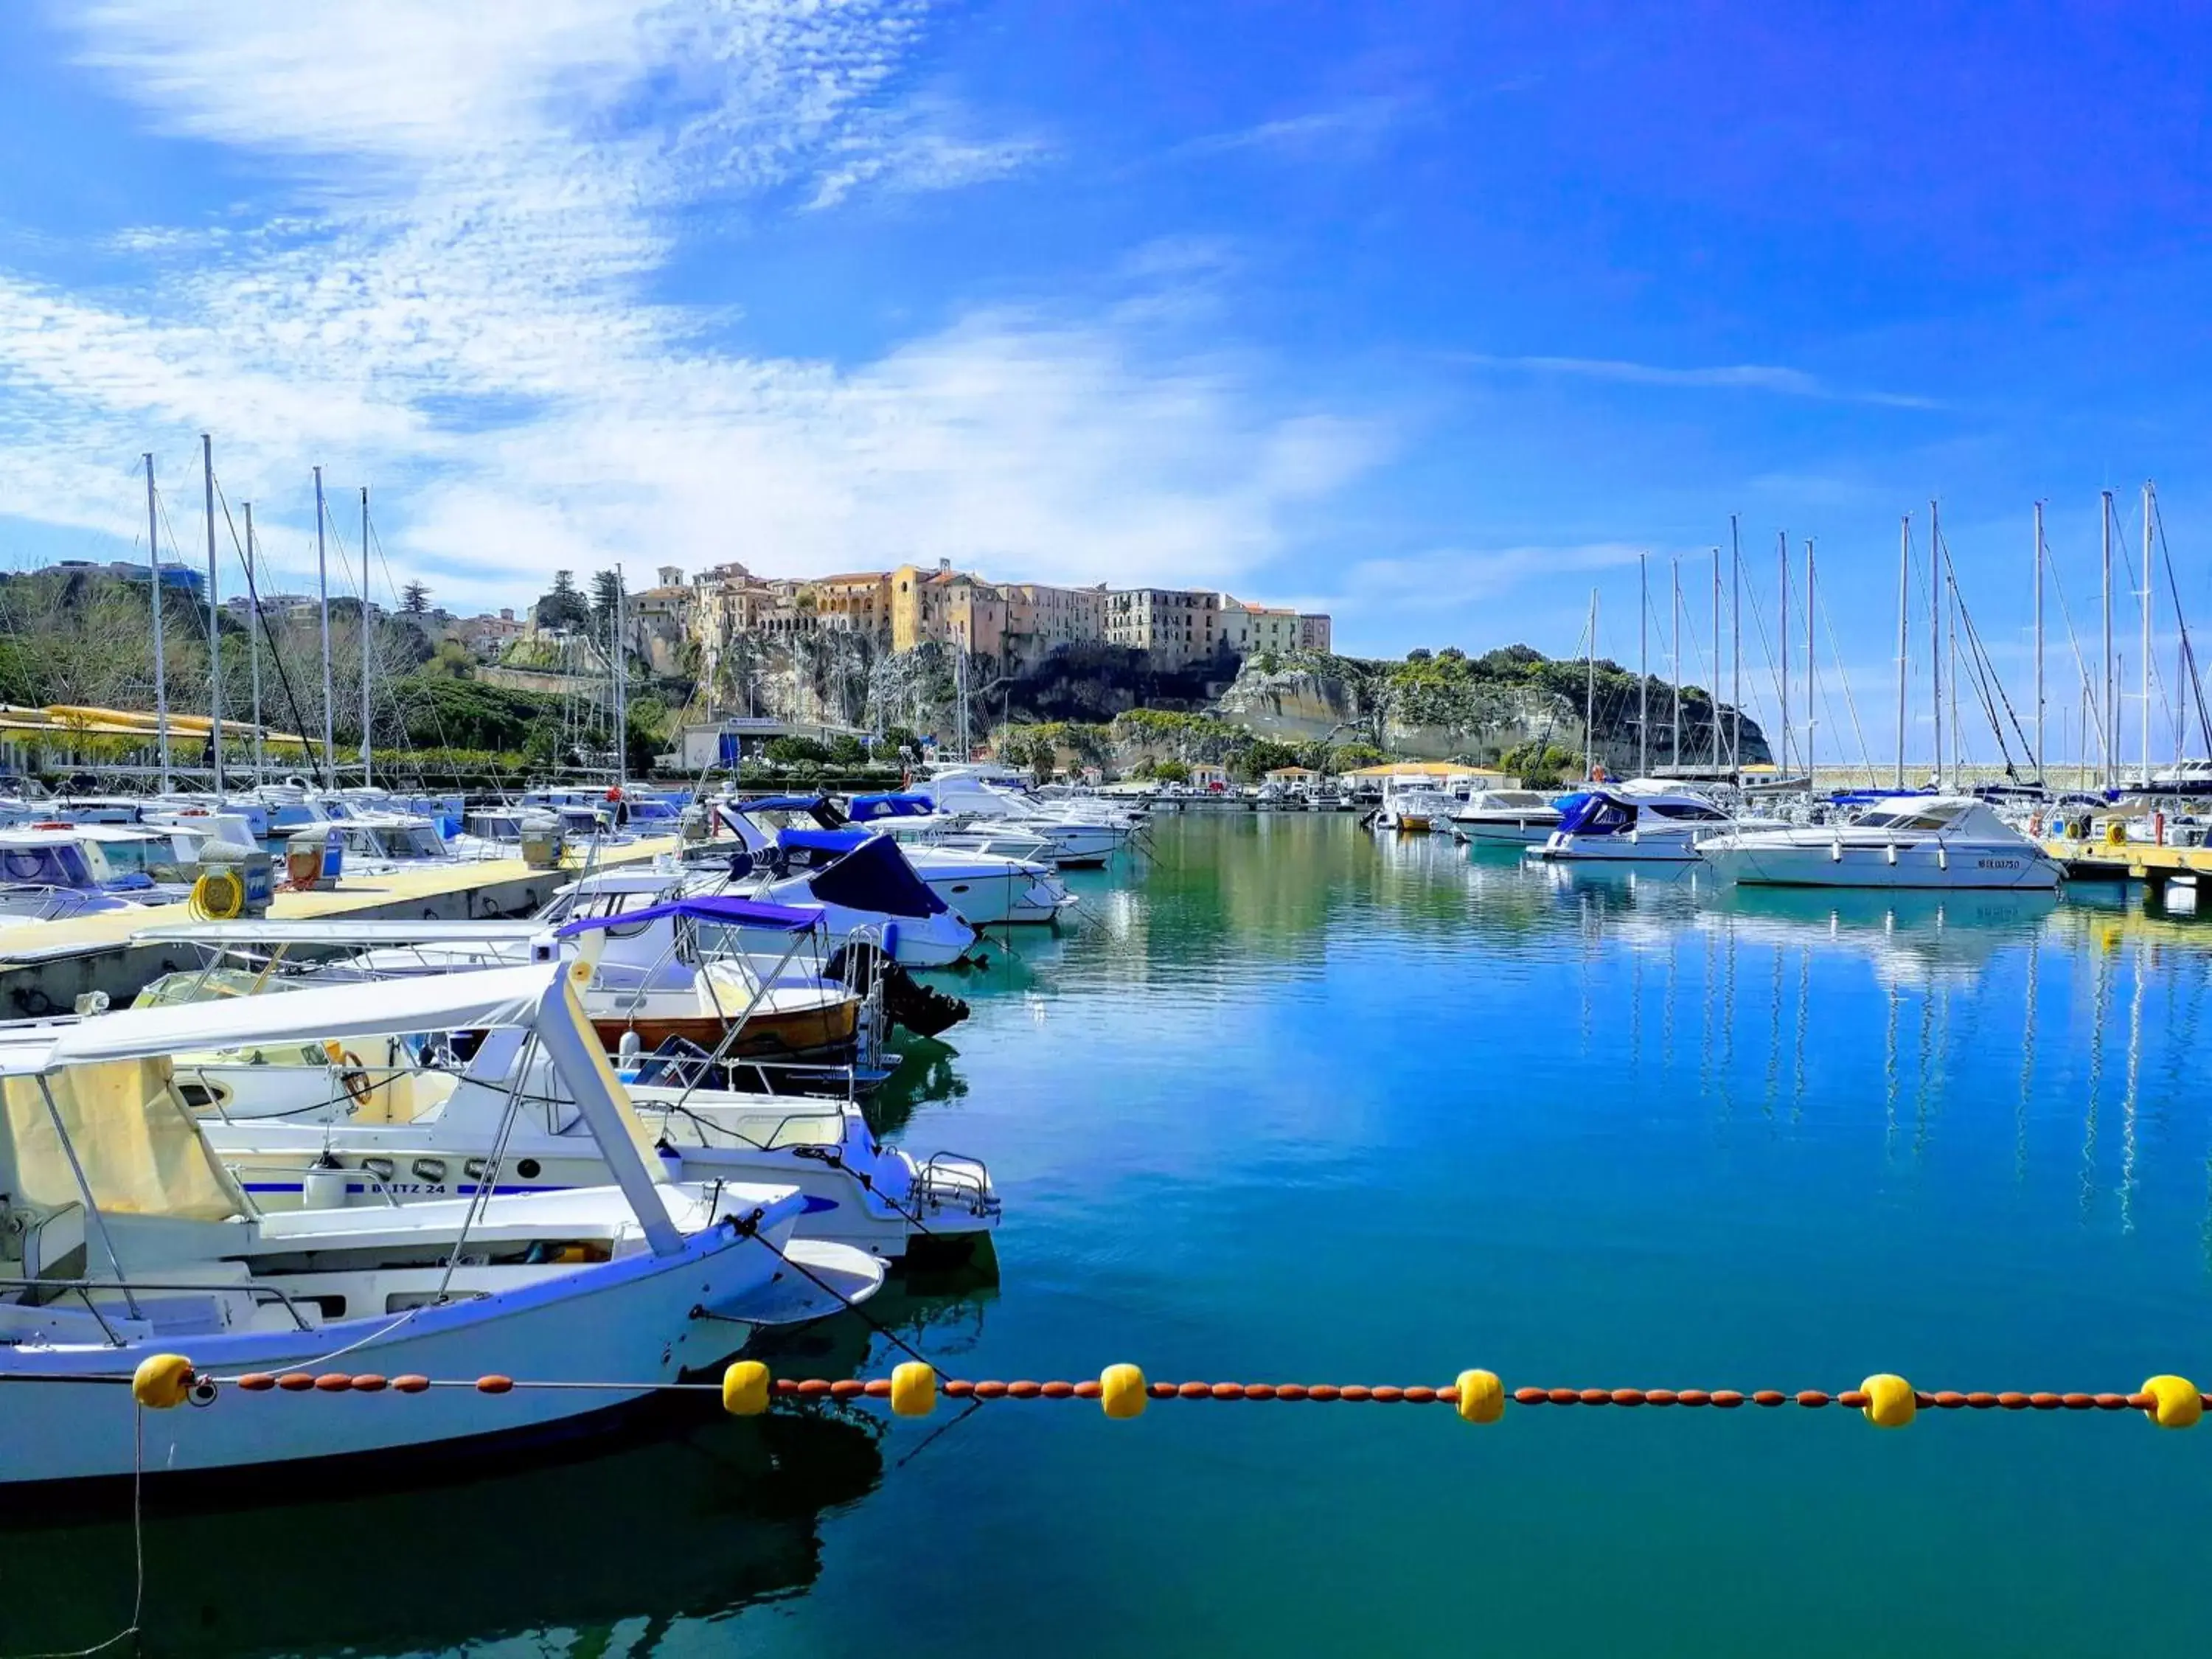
83, 1289
372, 1180
957, 1178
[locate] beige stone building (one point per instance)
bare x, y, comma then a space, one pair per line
1249, 629
1177, 626
1314, 632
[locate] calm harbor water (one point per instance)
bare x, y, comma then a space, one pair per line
1297, 1104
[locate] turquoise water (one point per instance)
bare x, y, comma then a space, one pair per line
1297, 1104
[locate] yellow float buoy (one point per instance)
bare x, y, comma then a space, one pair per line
2175, 1402
1890, 1402
744, 1388
1481, 1396
914, 1389
1122, 1391
161, 1381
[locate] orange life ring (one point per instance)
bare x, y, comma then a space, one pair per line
356, 1079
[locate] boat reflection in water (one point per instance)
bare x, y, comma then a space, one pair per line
677, 1513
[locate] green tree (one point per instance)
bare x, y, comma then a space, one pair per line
563, 607
1260, 758
1171, 771
415, 600
796, 751
607, 589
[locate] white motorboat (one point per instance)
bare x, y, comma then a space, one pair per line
1415, 803
1086, 831
1641, 821
127, 1238
49, 870
986, 888
302, 1127
1506, 817
1955, 841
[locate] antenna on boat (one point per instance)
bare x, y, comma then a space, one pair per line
1714, 700
364, 636
161, 675
214, 621
323, 590
1903, 616
622, 689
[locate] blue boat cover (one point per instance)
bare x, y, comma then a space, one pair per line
875, 876
821, 841
1594, 812
891, 806
780, 803
724, 909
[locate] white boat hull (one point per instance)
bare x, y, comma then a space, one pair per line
1617, 850
629, 1321
1503, 832
1847, 864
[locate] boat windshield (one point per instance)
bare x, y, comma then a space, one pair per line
61, 864
1934, 817
1689, 812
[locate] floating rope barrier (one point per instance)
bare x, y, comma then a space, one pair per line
747, 1388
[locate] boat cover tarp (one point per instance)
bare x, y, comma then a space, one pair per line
875, 876
1594, 812
893, 805
821, 841
723, 910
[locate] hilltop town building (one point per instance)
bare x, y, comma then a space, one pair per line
1177, 626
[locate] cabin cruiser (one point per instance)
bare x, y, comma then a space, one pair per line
379, 843
1955, 841
1506, 817
127, 1239
1642, 820
988, 888
1414, 803
1084, 831
300, 1127
51, 870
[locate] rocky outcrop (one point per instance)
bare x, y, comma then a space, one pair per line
1465, 710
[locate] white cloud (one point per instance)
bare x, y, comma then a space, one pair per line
1355, 121
451, 302
1740, 377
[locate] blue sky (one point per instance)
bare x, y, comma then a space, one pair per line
1435, 315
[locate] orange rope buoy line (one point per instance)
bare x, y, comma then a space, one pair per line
747, 1388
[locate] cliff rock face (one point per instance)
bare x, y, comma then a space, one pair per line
1462, 711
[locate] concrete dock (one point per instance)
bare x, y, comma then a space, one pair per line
44, 966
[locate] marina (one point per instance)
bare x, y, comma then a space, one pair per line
1615, 1124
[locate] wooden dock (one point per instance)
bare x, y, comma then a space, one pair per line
2130, 860
44, 966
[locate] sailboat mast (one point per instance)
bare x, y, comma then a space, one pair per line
1736, 646
214, 619
160, 672
365, 636
1782, 549
1812, 719
1589, 696
622, 689
1713, 698
1676, 653
2146, 632
2042, 778
1642, 668
253, 643
1935, 631
1903, 620
322, 593
2108, 726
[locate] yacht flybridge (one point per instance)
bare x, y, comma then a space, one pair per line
125, 1237
1942, 841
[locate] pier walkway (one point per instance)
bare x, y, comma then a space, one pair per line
44, 966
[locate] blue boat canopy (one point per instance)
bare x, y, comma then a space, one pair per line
821, 841
725, 910
894, 805
780, 803
875, 876
1594, 812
